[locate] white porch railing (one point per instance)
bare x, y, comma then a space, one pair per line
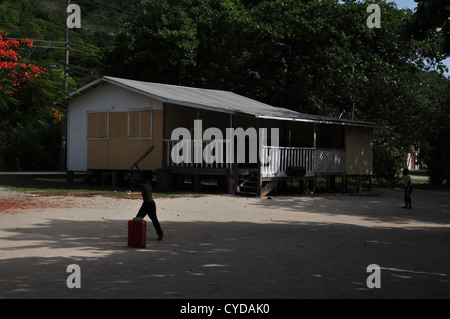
278, 159
194, 154
275, 159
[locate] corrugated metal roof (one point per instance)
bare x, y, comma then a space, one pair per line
216, 100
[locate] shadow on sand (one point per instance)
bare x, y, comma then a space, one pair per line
226, 260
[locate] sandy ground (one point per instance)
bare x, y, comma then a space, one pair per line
228, 247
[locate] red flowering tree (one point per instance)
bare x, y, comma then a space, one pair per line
25, 89
30, 120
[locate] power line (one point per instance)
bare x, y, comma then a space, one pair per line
89, 53
83, 46
81, 68
107, 7
73, 69
34, 40
62, 43
47, 47
82, 73
89, 50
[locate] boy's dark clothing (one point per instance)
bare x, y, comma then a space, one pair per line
407, 198
148, 206
146, 191
408, 189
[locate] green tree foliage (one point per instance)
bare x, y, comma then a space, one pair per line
45, 22
27, 113
311, 56
432, 136
30, 114
431, 15
30, 145
159, 43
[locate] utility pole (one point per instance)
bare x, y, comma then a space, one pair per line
62, 155
66, 65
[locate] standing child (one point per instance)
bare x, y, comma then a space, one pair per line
408, 188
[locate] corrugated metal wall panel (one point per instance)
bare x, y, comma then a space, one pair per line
102, 125
118, 125
359, 150
133, 122
92, 125
145, 124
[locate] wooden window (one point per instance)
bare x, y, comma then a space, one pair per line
140, 124
98, 125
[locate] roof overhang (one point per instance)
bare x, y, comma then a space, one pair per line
325, 120
216, 100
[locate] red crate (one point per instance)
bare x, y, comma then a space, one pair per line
137, 233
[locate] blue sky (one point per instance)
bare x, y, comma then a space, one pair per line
406, 4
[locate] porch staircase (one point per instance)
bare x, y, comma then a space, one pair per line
248, 185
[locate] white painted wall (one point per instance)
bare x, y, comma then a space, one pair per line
107, 97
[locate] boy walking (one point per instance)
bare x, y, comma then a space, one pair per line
148, 206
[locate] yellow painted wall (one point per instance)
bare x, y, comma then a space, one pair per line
119, 152
97, 154
359, 150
